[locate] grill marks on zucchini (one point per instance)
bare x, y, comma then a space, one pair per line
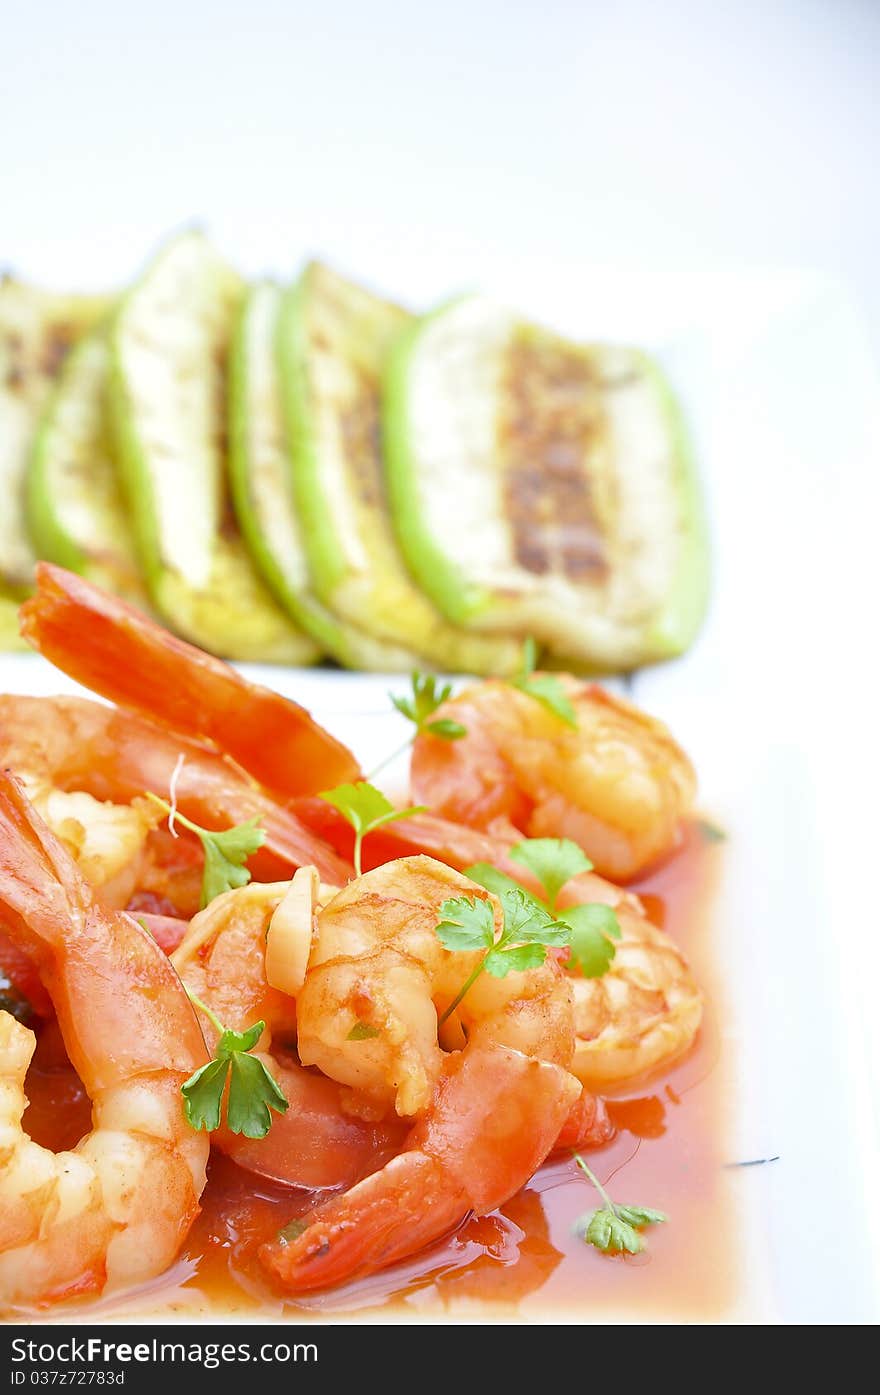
170, 344
262, 484
552, 436
76, 509
335, 340
37, 329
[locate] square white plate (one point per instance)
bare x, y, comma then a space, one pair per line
783, 401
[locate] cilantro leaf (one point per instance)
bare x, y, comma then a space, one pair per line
484, 874
554, 861
544, 687
203, 1094
425, 700
592, 930
365, 808
226, 851
608, 1233
253, 1091
614, 1229
640, 1215
468, 922
240, 1041
446, 729
525, 922
427, 696
517, 959
711, 833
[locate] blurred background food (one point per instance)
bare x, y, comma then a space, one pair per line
294, 473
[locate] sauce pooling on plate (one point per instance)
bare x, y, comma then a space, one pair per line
668, 1153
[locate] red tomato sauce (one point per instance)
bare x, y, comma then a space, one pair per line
668, 1154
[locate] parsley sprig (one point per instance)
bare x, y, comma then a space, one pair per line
592, 927
253, 1090
544, 687
226, 851
365, 808
614, 1228
468, 922
419, 709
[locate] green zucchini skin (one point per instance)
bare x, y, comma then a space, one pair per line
37, 330
654, 589
262, 489
334, 339
174, 328
76, 510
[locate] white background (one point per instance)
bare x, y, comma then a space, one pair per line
422, 149
672, 134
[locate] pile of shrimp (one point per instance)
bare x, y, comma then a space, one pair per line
403, 1126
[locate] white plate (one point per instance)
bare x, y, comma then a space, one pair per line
784, 405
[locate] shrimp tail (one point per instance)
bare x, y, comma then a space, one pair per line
116, 651
494, 1117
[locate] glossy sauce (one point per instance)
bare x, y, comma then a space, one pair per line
668, 1154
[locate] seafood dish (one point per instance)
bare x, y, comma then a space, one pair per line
273, 1043
296, 473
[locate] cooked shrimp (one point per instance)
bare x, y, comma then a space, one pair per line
222, 959
377, 963
115, 1210
107, 841
618, 785
115, 650
487, 1114
641, 1015
74, 744
493, 1117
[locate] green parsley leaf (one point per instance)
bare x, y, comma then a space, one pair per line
362, 1031
427, 696
544, 687
226, 851
528, 923
554, 861
710, 832
592, 930
614, 1229
640, 1215
446, 729
253, 1091
366, 809
518, 959
468, 922
527, 928
606, 1232
203, 1094
484, 874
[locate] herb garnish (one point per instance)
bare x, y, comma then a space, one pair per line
226, 851
366, 809
253, 1091
614, 1228
468, 922
419, 709
544, 687
593, 926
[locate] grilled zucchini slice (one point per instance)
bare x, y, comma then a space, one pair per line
334, 339
169, 344
544, 487
37, 329
75, 506
262, 489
